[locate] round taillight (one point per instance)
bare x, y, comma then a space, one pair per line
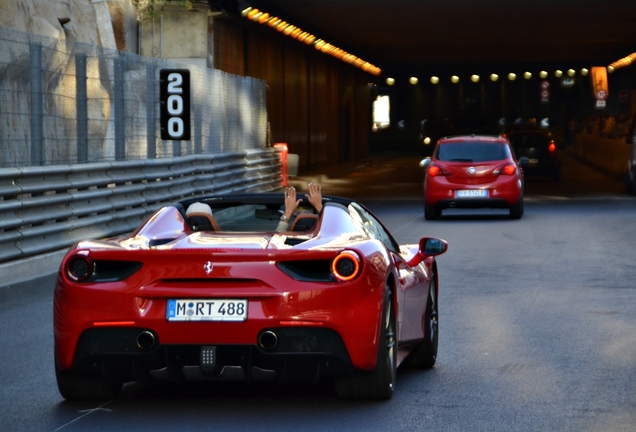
509, 169
346, 266
552, 147
433, 170
79, 268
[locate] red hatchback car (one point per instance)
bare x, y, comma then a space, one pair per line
473, 171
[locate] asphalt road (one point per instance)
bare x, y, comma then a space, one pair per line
537, 328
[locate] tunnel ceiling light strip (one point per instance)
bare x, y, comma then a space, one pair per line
297, 33
625, 61
512, 76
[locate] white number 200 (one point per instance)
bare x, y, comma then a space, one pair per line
175, 105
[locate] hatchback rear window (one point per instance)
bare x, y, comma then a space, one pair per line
472, 152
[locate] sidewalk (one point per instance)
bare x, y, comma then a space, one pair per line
319, 174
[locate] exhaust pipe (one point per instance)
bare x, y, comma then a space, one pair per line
268, 340
146, 340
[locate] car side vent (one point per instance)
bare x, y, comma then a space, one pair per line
160, 241
308, 271
112, 271
293, 241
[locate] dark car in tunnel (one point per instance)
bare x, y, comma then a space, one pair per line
539, 147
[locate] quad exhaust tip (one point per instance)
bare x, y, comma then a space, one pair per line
146, 340
268, 340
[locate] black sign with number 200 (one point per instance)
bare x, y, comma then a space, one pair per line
174, 94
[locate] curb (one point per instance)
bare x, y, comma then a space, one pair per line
30, 268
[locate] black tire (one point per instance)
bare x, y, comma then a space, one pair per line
380, 383
516, 211
630, 185
627, 182
425, 355
76, 386
430, 212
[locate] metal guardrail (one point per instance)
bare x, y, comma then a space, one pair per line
49, 208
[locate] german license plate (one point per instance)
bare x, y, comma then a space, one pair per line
472, 193
206, 310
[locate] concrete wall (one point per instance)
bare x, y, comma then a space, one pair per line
608, 154
177, 35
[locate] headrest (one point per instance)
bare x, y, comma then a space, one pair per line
303, 222
200, 208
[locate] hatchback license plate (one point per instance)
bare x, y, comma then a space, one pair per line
206, 310
472, 193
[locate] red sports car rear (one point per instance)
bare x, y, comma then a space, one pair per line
233, 298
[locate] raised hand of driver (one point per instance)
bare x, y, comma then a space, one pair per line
291, 202
314, 196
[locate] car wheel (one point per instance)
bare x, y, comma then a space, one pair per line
425, 354
76, 386
630, 185
380, 383
430, 212
516, 211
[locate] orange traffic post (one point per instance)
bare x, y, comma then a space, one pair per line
282, 148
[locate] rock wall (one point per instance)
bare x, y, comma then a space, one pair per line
108, 23
72, 20
86, 21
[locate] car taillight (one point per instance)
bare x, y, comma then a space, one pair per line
436, 170
79, 267
508, 169
83, 268
346, 266
552, 147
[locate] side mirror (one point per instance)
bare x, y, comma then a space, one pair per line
523, 161
424, 163
429, 246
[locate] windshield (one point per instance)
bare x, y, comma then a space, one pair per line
529, 141
472, 152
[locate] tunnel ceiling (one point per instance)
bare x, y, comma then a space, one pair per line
414, 35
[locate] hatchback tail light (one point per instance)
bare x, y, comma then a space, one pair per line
508, 169
436, 170
552, 147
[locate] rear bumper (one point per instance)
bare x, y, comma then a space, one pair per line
292, 354
503, 193
472, 203
117, 316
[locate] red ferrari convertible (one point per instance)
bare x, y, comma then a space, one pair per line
208, 290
